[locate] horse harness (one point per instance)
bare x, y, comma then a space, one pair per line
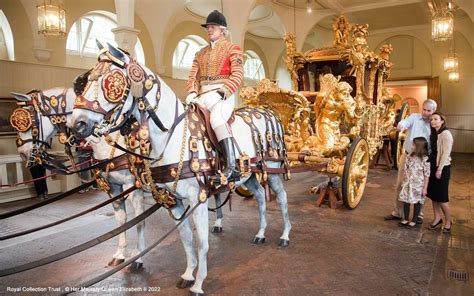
204, 168
27, 117
116, 87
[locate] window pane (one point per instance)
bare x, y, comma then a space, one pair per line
253, 67
189, 54
178, 53
101, 30
184, 54
72, 42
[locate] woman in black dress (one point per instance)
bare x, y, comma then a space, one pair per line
440, 158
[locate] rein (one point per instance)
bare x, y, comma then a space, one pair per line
123, 195
81, 247
46, 201
170, 131
119, 92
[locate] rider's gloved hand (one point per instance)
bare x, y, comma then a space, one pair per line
191, 98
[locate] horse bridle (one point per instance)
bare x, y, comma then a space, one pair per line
53, 107
116, 87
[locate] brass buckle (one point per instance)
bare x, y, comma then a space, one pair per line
173, 172
244, 163
195, 166
143, 179
269, 137
223, 179
141, 105
103, 184
193, 145
203, 195
207, 145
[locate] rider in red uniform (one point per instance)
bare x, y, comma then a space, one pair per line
216, 74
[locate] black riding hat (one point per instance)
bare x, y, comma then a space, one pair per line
215, 18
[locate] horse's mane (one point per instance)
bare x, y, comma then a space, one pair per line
80, 82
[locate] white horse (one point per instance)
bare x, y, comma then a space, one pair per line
119, 180
114, 66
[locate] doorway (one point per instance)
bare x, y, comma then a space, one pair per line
413, 92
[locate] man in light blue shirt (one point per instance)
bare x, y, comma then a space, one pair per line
418, 125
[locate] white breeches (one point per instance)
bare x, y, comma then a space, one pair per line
221, 110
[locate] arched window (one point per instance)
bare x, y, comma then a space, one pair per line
92, 26
253, 67
6, 39
184, 53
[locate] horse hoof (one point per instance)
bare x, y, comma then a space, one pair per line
183, 284
195, 294
115, 262
284, 243
136, 266
216, 229
258, 240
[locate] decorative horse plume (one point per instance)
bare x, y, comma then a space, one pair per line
117, 53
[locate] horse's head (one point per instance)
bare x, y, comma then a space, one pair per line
36, 120
103, 93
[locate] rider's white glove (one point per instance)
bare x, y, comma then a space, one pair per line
191, 98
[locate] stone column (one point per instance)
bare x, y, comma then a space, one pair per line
125, 34
126, 38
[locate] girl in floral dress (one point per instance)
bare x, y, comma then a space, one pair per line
415, 184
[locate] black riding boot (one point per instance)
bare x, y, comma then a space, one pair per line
229, 171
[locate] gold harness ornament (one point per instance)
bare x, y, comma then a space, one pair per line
114, 86
21, 120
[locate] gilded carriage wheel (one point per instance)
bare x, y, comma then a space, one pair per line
355, 173
400, 136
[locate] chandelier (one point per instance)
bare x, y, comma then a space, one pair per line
309, 6
453, 76
450, 62
51, 19
442, 21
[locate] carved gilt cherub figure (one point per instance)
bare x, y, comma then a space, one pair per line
341, 28
333, 102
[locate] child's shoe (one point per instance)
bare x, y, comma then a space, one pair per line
404, 223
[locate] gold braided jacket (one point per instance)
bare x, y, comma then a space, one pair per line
222, 64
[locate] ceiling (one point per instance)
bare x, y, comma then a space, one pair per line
264, 23
386, 17
352, 3
203, 8
260, 12
379, 14
300, 4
